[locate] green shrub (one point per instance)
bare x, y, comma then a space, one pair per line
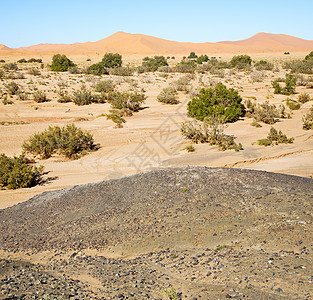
6, 101
241, 61
289, 89
292, 104
170, 293
124, 100
304, 97
185, 66
308, 120
12, 88
309, 56
38, 60
255, 124
275, 137
122, 71
151, 64
69, 140
18, 172
2, 61
60, 63
210, 131
190, 148
217, 101
105, 86
263, 65
97, 69
22, 61
116, 116
202, 58
10, 66
112, 60
40, 96
192, 55
168, 96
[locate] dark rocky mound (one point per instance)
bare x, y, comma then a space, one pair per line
165, 207
197, 232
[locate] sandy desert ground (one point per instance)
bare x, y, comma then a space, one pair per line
150, 138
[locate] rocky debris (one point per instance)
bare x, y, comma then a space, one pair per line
200, 233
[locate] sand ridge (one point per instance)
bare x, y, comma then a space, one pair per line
127, 43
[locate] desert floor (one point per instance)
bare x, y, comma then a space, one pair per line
150, 138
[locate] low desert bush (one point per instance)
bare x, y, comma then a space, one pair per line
168, 96
241, 62
69, 140
217, 101
257, 76
275, 137
85, 97
40, 96
131, 100
18, 172
151, 64
189, 148
105, 86
182, 84
97, 69
64, 96
304, 97
38, 60
12, 88
265, 112
290, 83
10, 66
112, 60
210, 131
116, 116
201, 59
263, 65
122, 71
34, 71
185, 66
192, 55
21, 95
255, 124
75, 70
292, 104
308, 120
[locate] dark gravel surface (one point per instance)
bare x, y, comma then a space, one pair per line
204, 233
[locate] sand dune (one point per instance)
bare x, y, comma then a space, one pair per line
127, 43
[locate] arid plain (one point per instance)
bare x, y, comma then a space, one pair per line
181, 232
150, 138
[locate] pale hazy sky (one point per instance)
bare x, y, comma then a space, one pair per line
25, 23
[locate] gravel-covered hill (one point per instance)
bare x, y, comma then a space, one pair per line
207, 232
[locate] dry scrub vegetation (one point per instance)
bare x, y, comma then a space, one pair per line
215, 94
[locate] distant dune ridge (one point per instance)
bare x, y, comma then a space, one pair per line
127, 43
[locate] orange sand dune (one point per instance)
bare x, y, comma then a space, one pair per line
127, 43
